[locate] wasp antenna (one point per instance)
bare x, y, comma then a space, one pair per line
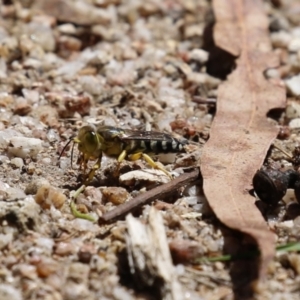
63, 150
72, 151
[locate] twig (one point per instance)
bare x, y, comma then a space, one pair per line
275, 145
149, 196
202, 100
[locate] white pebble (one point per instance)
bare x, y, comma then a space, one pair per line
31, 95
199, 55
52, 136
70, 68
24, 147
91, 84
6, 135
83, 225
191, 200
46, 161
64, 163
171, 96
180, 269
14, 194
5, 239
286, 224
198, 207
32, 63
45, 243
17, 162
272, 73
67, 28
8, 292
295, 123
293, 85
134, 122
3, 68
42, 35
281, 39
294, 45
293, 110
3, 186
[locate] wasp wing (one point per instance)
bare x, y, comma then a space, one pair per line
130, 135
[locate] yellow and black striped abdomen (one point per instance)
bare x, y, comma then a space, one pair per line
169, 145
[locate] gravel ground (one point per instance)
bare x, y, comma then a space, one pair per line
129, 64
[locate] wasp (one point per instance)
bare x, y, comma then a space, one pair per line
95, 140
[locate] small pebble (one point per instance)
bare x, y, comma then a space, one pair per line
284, 133
64, 248
42, 35
30, 169
199, 55
295, 123
47, 195
46, 267
5, 240
294, 259
293, 110
69, 43
79, 272
67, 28
212, 245
14, 194
84, 225
52, 136
26, 270
31, 95
22, 107
86, 252
115, 195
280, 39
17, 162
8, 292
73, 290
272, 73
34, 185
91, 84
293, 85
6, 135
46, 161
294, 45
219, 265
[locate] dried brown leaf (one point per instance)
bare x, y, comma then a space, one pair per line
241, 133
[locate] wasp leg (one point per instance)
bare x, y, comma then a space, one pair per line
92, 172
121, 157
85, 162
82, 162
150, 161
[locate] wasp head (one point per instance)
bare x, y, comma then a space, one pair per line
88, 141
